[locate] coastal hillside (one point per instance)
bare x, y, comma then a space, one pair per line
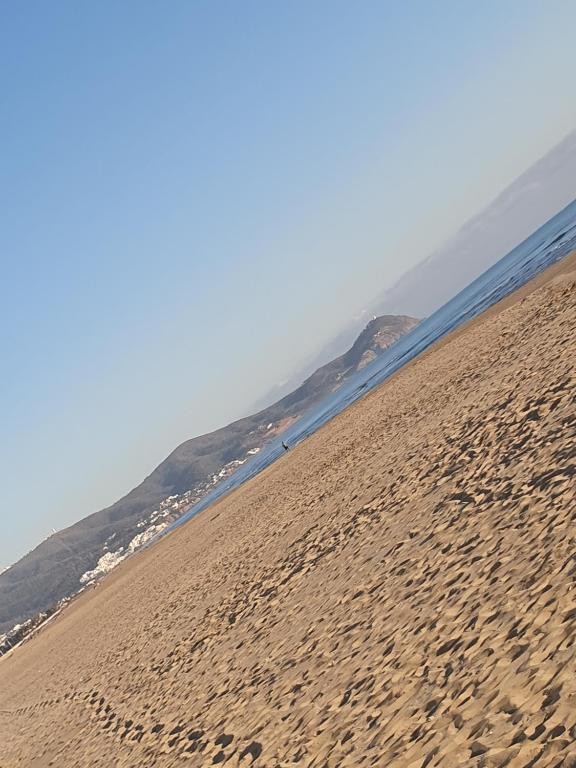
396, 592
53, 570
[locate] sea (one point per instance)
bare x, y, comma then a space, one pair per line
542, 249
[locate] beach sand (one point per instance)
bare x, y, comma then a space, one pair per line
399, 590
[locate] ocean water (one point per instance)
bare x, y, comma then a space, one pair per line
543, 248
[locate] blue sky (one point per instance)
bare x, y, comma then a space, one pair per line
195, 196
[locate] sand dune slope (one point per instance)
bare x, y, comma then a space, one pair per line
398, 591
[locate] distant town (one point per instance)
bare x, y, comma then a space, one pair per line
151, 528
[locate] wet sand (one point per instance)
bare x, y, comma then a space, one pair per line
399, 590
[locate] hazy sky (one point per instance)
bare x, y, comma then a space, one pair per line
195, 195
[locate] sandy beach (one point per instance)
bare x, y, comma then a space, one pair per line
399, 590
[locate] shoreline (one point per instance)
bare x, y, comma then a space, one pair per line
380, 591
565, 265
563, 268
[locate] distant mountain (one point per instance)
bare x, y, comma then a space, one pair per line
329, 351
538, 194
531, 200
53, 570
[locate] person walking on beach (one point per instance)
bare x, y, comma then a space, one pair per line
284, 445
